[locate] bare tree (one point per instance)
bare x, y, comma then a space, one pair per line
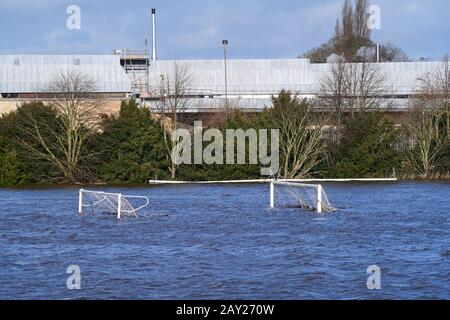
351, 87
64, 144
347, 19
436, 90
364, 86
360, 19
172, 105
427, 141
354, 32
333, 94
444, 80
429, 128
391, 53
301, 143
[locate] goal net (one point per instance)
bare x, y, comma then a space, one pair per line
112, 203
299, 195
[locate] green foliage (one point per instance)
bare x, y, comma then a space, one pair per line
12, 169
367, 149
132, 147
17, 165
427, 155
236, 120
446, 159
446, 136
301, 142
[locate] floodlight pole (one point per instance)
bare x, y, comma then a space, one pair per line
225, 46
154, 36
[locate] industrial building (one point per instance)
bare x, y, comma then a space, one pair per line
244, 84
28, 77
251, 83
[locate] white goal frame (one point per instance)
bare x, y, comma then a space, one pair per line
317, 187
120, 200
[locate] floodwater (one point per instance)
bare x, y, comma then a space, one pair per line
222, 242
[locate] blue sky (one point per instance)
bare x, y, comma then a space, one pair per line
194, 29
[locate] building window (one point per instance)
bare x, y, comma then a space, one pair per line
9, 95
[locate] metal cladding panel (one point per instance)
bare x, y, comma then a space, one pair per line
34, 73
246, 77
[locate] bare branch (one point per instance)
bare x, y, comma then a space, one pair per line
65, 146
172, 104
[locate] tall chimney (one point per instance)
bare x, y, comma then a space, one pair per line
154, 34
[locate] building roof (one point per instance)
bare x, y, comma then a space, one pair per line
34, 73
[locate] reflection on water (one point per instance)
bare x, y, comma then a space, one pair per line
222, 242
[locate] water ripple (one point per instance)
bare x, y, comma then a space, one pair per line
221, 242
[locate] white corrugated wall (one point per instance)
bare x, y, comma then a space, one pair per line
34, 73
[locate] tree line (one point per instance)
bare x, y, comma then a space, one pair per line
68, 141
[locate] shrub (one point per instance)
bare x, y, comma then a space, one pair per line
132, 147
367, 149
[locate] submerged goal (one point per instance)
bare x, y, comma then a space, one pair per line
112, 203
301, 195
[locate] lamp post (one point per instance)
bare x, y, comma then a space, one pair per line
225, 46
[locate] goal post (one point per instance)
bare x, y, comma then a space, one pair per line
119, 205
112, 203
80, 201
319, 198
307, 196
